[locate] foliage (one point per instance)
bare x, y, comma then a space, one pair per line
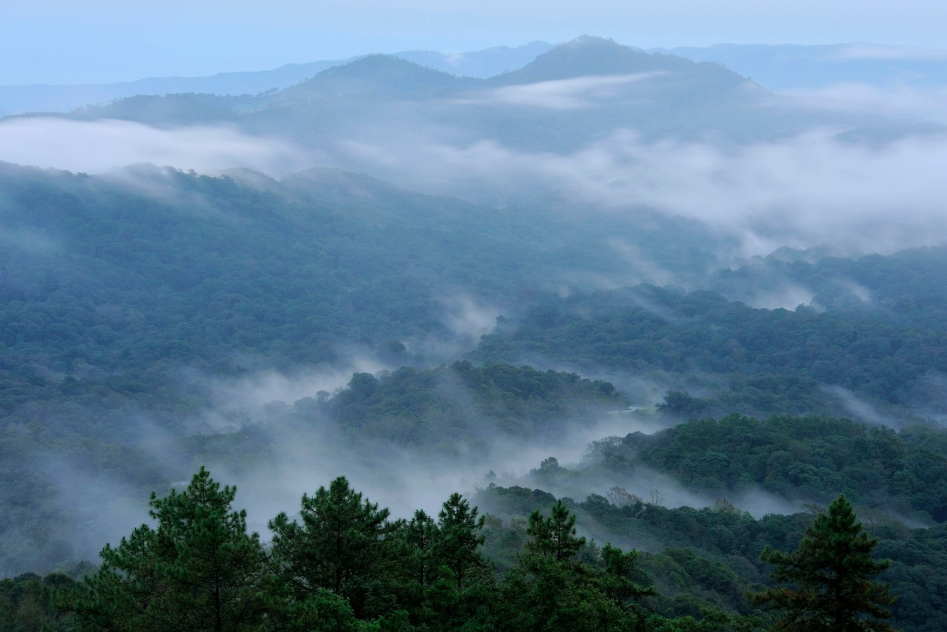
755, 360
802, 458
339, 546
555, 536
831, 578
199, 570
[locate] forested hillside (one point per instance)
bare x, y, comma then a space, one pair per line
756, 361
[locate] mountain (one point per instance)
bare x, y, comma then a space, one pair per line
567, 97
46, 98
589, 55
52, 98
377, 75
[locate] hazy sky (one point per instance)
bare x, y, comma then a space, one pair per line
55, 41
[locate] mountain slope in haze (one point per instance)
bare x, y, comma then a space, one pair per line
589, 55
145, 269
483, 63
379, 76
568, 97
790, 66
851, 359
52, 98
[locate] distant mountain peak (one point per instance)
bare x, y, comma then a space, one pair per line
379, 75
592, 40
592, 55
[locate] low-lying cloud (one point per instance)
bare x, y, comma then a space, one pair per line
804, 191
97, 146
561, 94
899, 101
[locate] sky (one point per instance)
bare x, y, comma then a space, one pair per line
100, 41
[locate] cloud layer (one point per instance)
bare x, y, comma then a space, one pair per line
562, 94
804, 191
96, 146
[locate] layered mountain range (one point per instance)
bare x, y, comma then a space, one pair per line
571, 95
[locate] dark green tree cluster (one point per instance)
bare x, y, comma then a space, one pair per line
757, 360
416, 405
805, 458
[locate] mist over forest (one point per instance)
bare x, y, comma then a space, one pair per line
607, 325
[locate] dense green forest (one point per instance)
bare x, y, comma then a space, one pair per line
132, 301
127, 299
753, 361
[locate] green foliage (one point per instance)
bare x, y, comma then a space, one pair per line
555, 536
458, 537
831, 578
27, 602
424, 406
199, 570
339, 546
757, 361
806, 458
619, 581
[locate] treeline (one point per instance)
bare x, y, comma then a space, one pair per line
344, 564
115, 281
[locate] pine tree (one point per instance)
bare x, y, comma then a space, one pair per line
618, 582
199, 570
420, 536
554, 536
340, 545
459, 537
830, 577
552, 590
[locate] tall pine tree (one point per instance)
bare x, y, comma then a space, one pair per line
459, 537
199, 570
340, 546
554, 536
830, 577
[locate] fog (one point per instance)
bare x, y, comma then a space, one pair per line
101, 145
836, 187
926, 104
805, 191
561, 94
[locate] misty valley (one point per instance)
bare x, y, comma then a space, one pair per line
559, 337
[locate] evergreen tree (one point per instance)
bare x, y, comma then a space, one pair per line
459, 537
340, 545
618, 582
420, 536
554, 536
199, 570
830, 577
